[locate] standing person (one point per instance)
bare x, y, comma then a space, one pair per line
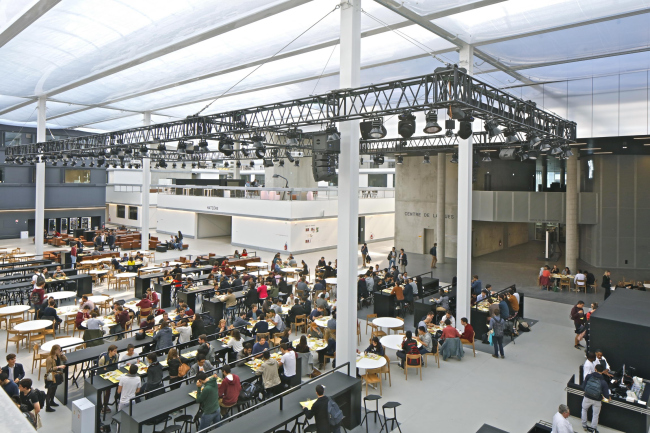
37, 296
596, 389
498, 325
320, 411
73, 254
607, 284
364, 254
208, 397
180, 240
402, 260
434, 255
578, 317
128, 387
269, 372
228, 390
476, 285
560, 422
392, 256
53, 365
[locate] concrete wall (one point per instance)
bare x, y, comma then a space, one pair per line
488, 237
111, 216
621, 238
298, 177
415, 203
504, 175
209, 226
171, 221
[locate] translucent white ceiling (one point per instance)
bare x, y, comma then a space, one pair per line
102, 63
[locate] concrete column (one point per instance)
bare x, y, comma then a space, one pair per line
440, 207
348, 220
39, 205
465, 174
146, 186
572, 213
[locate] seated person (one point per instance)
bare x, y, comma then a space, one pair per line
425, 339
196, 263
449, 331
50, 312
375, 347
117, 266
316, 313
82, 315
330, 350
58, 273
484, 294
253, 313
409, 346
245, 353
427, 320
468, 331
261, 327
148, 323
260, 346
449, 317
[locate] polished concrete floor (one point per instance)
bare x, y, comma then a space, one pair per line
460, 396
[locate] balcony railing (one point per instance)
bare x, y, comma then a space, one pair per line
252, 193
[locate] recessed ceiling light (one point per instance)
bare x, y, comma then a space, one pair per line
578, 144
602, 153
591, 148
642, 138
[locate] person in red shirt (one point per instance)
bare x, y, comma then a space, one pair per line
228, 271
228, 390
121, 317
37, 298
81, 316
262, 292
148, 323
244, 253
449, 331
152, 295
468, 332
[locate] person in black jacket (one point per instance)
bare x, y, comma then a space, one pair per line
154, 377
320, 413
13, 370
607, 284
198, 327
296, 310
50, 313
252, 298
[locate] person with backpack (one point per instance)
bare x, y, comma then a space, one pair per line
364, 254
392, 256
434, 255
108, 360
54, 363
37, 297
409, 347
33, 399
596, 389
326, 413
498, 325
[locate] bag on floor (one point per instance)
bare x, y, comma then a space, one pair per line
485, 339
523, 326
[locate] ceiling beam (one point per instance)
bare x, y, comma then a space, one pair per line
32, 14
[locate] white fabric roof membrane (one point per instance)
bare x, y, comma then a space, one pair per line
83, 46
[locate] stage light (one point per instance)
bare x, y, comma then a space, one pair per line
379, 159
282, 163
144, 149
333, 138
225, 146
400, 160
556, 150
532, 154
183, 165
182, 147
174, 165
292, 136
287, 153
511, 136
203, 145
268, 163
533, 140
226, 165
454, 158
450, 125
243, 150
258, 145
492, 128
162, 163
465, 130
486, 157
460, 114
432, 126
252, 164
297, 163
378, 130
523, 155
406, 125
544, 147
162, 147
426, 159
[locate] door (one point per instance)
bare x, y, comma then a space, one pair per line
362, 230
429, 239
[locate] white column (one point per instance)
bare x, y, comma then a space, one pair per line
440, 207
146, 186
39, 206
348, 220
464, 251
572, 213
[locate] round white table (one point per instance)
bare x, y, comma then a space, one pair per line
322, 321
97, 298
106, 259
62, 295
257, 265
109, 322
393, 342
388, 322
330, 280
238, 268
72, 342
290, 280
131, 306
89, 262
13, 309
369, 363
315, 344
647, 286
98, 271
362, 271
32, 325
290, 270
69, 310
259, 273
24, 255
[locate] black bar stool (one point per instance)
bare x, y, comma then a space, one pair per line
390, 405
370, 398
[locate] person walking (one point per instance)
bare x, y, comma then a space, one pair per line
497, 324
578, 317
208, 397
73, 255
560, 422
596, 388
392, 257
434, 255
607, 284
364, 253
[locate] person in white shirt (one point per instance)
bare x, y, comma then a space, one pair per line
560, 422
125, 357
94, 322
288, 362
600, 359
184, 331
590, 365
128, 387
448, 316
514, 293
279, 324
580, 280
236, 343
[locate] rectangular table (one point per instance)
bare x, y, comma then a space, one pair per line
189, 297
216, 308
421, 307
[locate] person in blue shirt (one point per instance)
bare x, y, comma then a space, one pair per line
476, 285
595, 405
316, 312
260, 346
261, 327
504, 311
10, 387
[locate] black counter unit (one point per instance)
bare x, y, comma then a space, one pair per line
421, 307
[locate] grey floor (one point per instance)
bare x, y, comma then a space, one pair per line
511, 393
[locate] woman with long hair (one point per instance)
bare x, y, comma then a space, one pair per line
302, 346
54, 363
173, 364
236, 342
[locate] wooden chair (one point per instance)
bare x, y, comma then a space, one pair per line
407, 366
277, 337
385, 369
467, 342
376, 332
369, 321
123, 283
300, 322
35, 358
105, 307
373, 376
262, 334
358, 333
144, 312
326, 357
400, 328
15, 319
565, 282
17, 337
50, 331
69, 322
435, 355
592, 286
129, 326
35, 336
4, 318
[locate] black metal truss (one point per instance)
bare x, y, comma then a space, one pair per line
443, 89
423, 144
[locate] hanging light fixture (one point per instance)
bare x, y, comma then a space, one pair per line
426, 159
511, 136
486, 157
545, 146
292, 138
406, 125
492, 128
432, 126
450, 125
225, 146
379, 159
181, 147
400, 159
454, 158
378, 130
258, 145
290, 157
465, 129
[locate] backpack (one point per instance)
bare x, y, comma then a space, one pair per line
499, 327
368, 258
35, 298
523, 326
41, 397
431, 251
592, 388
40, 280
334, 412
249, 390
413, 350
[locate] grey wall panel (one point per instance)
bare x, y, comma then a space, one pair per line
555, 207
53, 175
643, 252
482, 206
520, 206
610, 222
17, 174
588, 211
608, 252
626, 223
75, 196
626, 252
17, 197
643, 183
538, 207
642, 223
609, 175
504, 206
626, 173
